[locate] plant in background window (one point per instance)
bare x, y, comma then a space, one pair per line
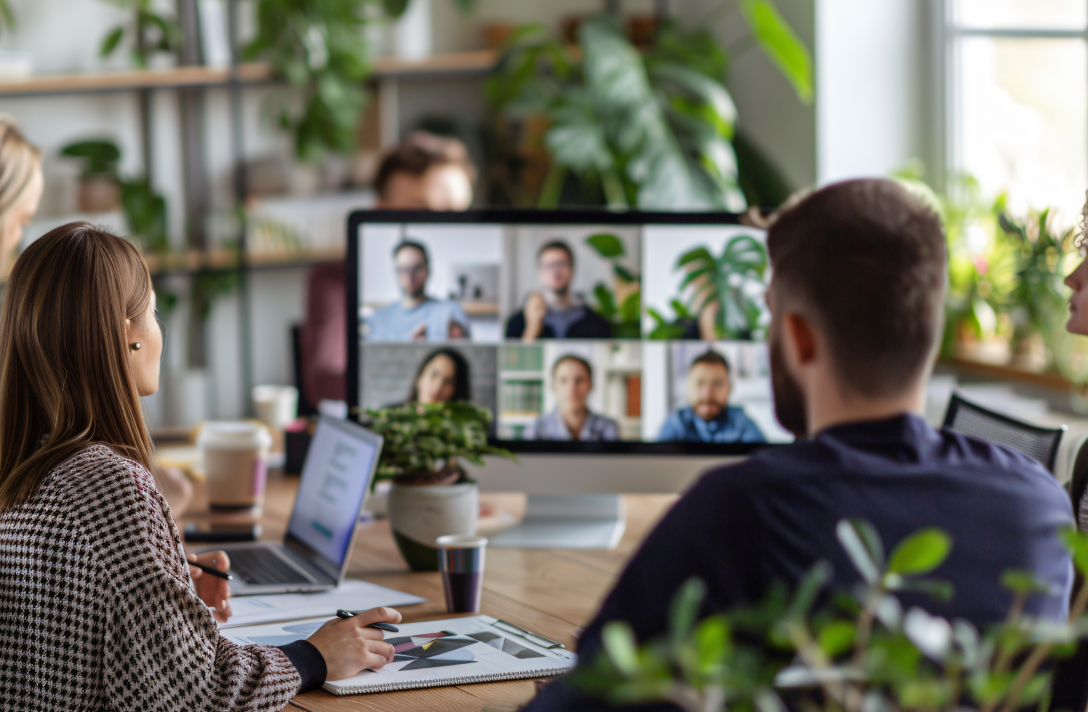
149, 32
319, 46
726, 294
396, 8
859, 653
649, 129
621, 305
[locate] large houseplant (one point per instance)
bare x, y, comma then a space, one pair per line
652, 129
859, 653
431, 495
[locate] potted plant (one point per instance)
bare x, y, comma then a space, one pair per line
432, 494
622, 305
859, 653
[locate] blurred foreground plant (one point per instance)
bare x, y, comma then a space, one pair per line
860, 653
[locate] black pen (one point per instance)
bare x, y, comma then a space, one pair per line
214, 572
388, 627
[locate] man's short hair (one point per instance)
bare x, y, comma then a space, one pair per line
419, 153
867, 263
406, 244
556, 245
576, 359
711, 358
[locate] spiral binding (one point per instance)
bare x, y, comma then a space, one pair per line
447, 681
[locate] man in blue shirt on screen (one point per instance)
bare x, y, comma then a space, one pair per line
856, 300
710, 418
416, 317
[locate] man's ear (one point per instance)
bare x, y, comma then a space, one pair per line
800, 339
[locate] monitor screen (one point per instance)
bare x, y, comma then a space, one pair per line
581, 332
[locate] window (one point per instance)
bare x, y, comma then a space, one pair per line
1019, 107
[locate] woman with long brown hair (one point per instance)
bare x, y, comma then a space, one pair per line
98, 607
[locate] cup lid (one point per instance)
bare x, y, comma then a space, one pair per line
460, 541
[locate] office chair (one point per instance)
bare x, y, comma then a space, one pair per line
1037, 442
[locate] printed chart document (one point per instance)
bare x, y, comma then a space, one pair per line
350, 595
454, 651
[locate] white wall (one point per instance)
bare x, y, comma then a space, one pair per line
873, 87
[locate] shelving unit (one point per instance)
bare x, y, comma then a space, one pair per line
191, 82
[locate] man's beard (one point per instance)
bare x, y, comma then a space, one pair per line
417, 293
790, 407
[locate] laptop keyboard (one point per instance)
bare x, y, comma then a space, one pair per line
262, 566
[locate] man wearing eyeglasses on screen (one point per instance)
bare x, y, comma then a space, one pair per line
856, 301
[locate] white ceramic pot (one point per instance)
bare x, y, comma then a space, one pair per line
419, 514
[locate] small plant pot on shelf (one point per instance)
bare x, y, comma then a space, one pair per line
99, 193
419, 514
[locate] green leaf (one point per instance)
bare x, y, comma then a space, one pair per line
1077, 544
781, 44
605, 300
631, 309
624, 274
7, 14
920, 553
607, 245
109, 44
837, 637
685, 610
619, 643
465, 6
395, 8
1023, 583
862, 544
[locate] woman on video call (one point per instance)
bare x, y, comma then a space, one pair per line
572, 382
100, 609
443, 377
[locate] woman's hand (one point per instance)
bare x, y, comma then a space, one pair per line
213, 590
349, 647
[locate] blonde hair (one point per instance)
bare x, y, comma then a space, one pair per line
66, 379
19, 162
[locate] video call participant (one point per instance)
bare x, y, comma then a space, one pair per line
443, 377
552, 311
710, 418
572, 382
425, 172
416, 317
856, 301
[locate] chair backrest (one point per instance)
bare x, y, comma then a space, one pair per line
966, 417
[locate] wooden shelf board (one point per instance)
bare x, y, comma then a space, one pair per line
1007, 373
195, 261
454, 62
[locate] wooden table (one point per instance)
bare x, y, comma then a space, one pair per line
552, 592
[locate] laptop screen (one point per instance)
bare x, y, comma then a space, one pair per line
334, 483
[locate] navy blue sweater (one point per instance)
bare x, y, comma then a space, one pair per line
773, 516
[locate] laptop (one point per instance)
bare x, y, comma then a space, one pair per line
314, 555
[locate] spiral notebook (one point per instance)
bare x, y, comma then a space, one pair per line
454, 651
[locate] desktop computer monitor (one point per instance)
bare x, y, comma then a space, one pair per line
618, 352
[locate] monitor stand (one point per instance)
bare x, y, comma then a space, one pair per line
567, 521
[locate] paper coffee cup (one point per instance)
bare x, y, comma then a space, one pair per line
275, 406
235, 463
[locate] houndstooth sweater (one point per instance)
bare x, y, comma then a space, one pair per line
98, 611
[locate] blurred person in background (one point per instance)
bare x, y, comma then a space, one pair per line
444, 376
553, 311
572, 382
425, 172
21, 187
709, 418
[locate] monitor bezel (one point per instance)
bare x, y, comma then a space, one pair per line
528, 217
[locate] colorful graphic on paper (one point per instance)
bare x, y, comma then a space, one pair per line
506, 645
444, 648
